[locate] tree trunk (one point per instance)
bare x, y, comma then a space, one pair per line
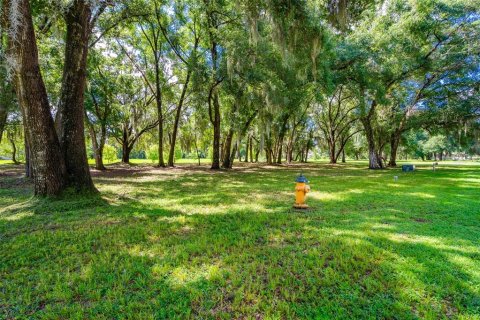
232, 155
343, 156
11, 138
3, 119
28, 162
70, 115
374, 160
158, 99
268, 155
251, 150
226, 150
394, 142
281, 137
216, 133
126, 154
246, 148
171, 155
332, 154
97, 147
238, 151
50, 176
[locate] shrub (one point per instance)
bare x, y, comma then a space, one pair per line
109, 153
152, 153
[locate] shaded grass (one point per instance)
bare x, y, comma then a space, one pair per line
189, 243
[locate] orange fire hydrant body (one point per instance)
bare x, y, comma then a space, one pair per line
301, 190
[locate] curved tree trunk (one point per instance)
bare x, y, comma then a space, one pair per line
70, 115
48, 161
11, 139
171, 155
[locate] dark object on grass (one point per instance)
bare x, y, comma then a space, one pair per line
302, 179
408, 167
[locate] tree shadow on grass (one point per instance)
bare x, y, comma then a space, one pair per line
129, 256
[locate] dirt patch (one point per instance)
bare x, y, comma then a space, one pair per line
421, 220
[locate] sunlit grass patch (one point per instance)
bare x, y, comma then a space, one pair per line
190, 243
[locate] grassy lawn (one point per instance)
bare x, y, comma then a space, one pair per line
190, 243
150, 162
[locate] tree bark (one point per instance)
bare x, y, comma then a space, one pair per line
28, 162
246, 148
251, 149
70, 114
216, 133
98, 146
126, 154
158, 99
11, 138
171, 155
374, 159
50, 176
332, 154
394, 143
226, 150
3, 119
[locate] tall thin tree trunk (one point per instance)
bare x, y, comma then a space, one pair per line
28, 162
251, 149
11, 138
171, 155
216, 133
232, 155
125, 145
158, 98
70, 115
3, 119
49, 165
97, 147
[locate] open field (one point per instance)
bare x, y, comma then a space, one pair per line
191, 243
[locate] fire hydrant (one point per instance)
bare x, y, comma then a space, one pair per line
301, 190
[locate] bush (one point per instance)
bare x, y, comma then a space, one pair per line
178, 153
152, 153
109, 153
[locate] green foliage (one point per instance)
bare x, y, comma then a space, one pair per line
109, 153
436, 143
152, 153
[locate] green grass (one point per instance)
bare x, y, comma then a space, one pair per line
150, 162
189, 243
